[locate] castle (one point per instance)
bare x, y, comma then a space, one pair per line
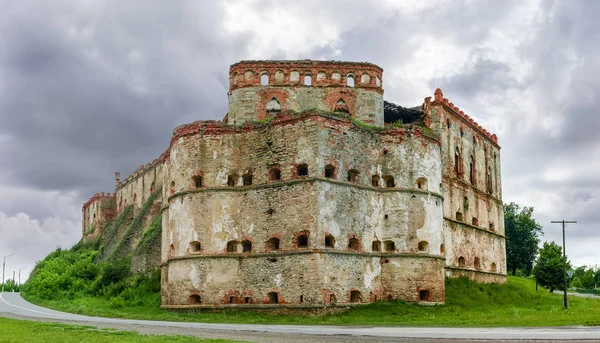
313, 191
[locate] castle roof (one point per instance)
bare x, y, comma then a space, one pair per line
393, 113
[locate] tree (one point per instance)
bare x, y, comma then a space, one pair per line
522, 238
548, 269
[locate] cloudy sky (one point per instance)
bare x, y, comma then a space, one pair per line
88, 88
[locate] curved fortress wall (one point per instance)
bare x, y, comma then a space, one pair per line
339, 240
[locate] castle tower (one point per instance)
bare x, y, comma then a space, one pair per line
259, 89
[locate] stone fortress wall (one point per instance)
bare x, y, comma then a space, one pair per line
292, 200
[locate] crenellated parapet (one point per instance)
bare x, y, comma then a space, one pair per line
97, 197
95, 212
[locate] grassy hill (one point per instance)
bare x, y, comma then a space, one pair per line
72, 281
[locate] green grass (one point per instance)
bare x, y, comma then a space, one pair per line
16, 331
515, 303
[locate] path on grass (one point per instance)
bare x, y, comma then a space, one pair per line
14, 306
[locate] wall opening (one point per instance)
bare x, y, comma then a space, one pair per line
135, 197
355, 297
232, 246
329, 171
332, 299
273, 298
301, 299
459, 216
494, 269
422, 183
171, 250
489, 180
365, 78
273, 106
424, 295
231, 300
264, 79
457, 162
152, 186
389, 245
353, 175
477, 263
302, 241
472, 170
448, 123
389, 298
246, 246
195, 299
376, 246
172, 187
247, 179
423, 246
492, 226
195, 246
461, 261
354, 244
275, 173
197, 181
350, 80
329, 241
247, 300
272, 244
232, 180
389, 181
442, 248
302, 169
475, 221
375, 180
341, 106
307, 80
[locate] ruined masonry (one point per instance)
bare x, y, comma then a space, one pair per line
313, 191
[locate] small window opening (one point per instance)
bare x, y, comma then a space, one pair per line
489, 180
332, 299
350, 80
171, 250
246, 246
247, 179
375, 180
355, 297
354, 244
329, 241
195, 299
329, 171
448, 123
353, 175
462, 132
94, 215
477, 263
273, 106
461, 261
442, 248
247, 300
472, 170
475, 221
492, 226
275, 174
385, 151
273, 298
302, 241
376, 246
195, 246
307, 80
459, 216
390, 298
135, 197
272, 244
341, 106
389, 245
232, 180
494, 266
301, 299
389, 181
424, 295
302, 169
423, 246
231, 300
232, 246
264, 79
172, 187
197, 181
422, 183
385, 216
457, 162
152, 187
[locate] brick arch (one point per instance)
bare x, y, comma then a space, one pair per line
347, 95
266, 95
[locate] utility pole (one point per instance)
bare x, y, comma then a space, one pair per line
13, 285
563, 222
3, 267
20, 275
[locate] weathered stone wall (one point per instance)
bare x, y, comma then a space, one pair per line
136, 188
95, 213
305, 85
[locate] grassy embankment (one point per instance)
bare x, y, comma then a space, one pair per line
16, 331
71, 281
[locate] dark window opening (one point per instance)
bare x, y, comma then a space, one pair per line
492, 226
494, 266
195, 299
459, 216
477, 263
424, 295
329, 241
272, 244
355, 297
354, 244
375, 180
247, 179
461, 261
341, 106
171, 250
232, 246
273, 298
275, 174
246, 246
472, 170
195, 246
197, 181
442, 248
448, 123
376, 246
389, 181
385, 216
329, 171
423, 246
489, 180
332, 299
232, 180
302, 241
389, 245
247, 300
457, 162
231, 300
385, 151
353, 175
302, 169
422, 183
172, 187
475, 221
301, 299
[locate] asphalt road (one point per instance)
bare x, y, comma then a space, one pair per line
13, 306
